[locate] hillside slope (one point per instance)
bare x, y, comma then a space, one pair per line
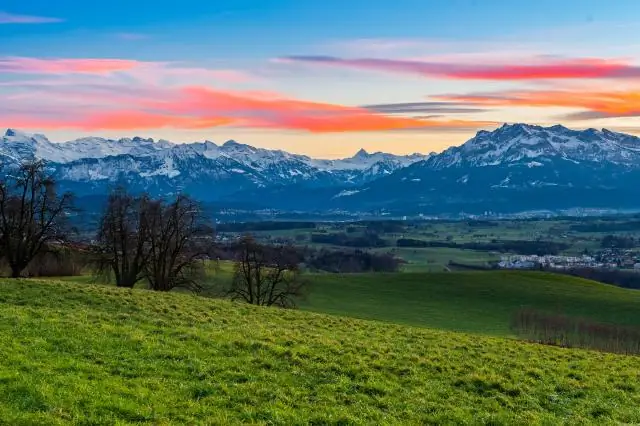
478, 302
73, 353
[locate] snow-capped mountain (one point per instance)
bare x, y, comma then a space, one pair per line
517, 143
515, 167
92, 164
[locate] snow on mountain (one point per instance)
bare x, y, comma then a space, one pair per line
513, 168
197, 163
363, 161
92, 147
515, 143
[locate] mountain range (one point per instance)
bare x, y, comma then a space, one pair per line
513, 168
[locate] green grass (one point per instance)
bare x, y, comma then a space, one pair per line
479, 302
90, 354
434, 259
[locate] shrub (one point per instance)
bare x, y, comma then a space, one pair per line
565, 331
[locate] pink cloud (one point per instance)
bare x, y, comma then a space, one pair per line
157, 72
537, 69
198, 107
227, 75
12, 18
22, 65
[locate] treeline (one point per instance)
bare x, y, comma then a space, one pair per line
625, 279
337, 261
383, 226
352, 262
245, 227
627, 226
617, 241
524, 247
482, 224
368, 239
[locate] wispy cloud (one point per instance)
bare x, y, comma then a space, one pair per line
131, 36
594, 104
424, 108
197, 107
22, 65
540, 68
12, 18
157, 71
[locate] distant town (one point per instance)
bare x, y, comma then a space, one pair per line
605, 259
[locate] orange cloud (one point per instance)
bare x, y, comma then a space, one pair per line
597, 103
538, 69
366, 123
273, 111
202, 107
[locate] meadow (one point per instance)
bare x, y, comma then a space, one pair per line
93, 354
477, 302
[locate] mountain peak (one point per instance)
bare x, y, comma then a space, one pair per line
362, 153
558, 127
139, 139
232, 143
13, 133
519, 126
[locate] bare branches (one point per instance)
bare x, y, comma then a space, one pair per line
176, 244
160, 242
32, 214
266, 275
121, 249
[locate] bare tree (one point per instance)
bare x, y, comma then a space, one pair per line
122, 249
32, 214
145, 239
178, 239
267, 275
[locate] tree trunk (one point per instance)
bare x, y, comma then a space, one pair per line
15, 271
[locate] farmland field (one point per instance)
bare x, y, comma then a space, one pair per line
576, 236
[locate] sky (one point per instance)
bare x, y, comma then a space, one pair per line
322, 78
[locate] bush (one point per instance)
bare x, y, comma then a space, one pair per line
59, 262
564, 331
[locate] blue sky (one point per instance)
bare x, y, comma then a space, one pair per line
317, 77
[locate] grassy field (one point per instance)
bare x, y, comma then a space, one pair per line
479, 302
90, 354
437, 259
